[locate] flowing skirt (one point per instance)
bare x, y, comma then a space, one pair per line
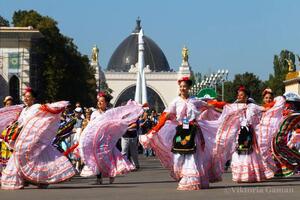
250, 168
97, 144
7, 116
258, 165
288, 158
34, 158
191, 170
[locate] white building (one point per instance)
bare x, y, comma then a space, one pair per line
161, 81
17, 66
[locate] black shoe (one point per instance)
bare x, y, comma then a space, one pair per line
42, 186
26, 184
111, 180
99, 180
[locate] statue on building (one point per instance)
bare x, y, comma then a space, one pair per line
95, 53
185, 55
291, 65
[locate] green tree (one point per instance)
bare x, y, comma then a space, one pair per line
65, 73
252, 83
280, 63
104, 87
3, 21
197, 77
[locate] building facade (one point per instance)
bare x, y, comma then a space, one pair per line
161, 80
18, 68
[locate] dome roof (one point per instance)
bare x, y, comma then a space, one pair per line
126, 54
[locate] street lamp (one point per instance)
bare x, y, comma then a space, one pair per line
223, 74
212, 81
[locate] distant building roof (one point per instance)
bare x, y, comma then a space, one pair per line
20, 32
126, 54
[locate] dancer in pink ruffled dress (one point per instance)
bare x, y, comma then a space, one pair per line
182, 142
246, 137
97, 144
103, 101
8, 117
34, 158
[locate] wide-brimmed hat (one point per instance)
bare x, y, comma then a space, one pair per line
78, 110
7, 98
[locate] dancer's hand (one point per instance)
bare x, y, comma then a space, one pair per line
151, 133
144, 140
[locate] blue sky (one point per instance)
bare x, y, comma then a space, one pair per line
242, 36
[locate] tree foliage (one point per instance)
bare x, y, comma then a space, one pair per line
197, 77
252, 83
3, 21
280, 63
66, 74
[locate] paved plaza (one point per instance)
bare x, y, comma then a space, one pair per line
154, 182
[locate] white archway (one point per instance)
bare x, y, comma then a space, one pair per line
164, 84
155, 101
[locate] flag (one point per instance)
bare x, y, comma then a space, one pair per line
13, 61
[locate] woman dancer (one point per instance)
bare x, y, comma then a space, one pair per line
97, 144
248, 139
34, 158
103, 100
181, 143
8, 126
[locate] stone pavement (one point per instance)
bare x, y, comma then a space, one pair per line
153, 182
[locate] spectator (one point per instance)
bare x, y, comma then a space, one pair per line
145, 126
129, 144
8, 101
87, 119
154, 117
77, 130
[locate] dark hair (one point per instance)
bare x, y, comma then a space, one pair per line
187, 80
267, 91
243, 89
106, 96
31, 91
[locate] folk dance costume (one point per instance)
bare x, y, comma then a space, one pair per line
97, 144
184, 144
35, 159
8, 127
64, 131
86, 171
247, 136
213, 112
286, 143
294, 141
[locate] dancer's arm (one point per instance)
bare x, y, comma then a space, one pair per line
161, 122
216, 105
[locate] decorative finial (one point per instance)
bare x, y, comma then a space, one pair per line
291, 65
95, 54
138, 25
185, 55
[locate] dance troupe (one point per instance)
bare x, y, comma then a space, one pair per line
194, 139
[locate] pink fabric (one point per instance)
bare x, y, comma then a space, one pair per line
209, 114
226, 136
34, 158
192, 171
267, 128
258, 165
189, 177
97, 144
8, 115
250, 168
